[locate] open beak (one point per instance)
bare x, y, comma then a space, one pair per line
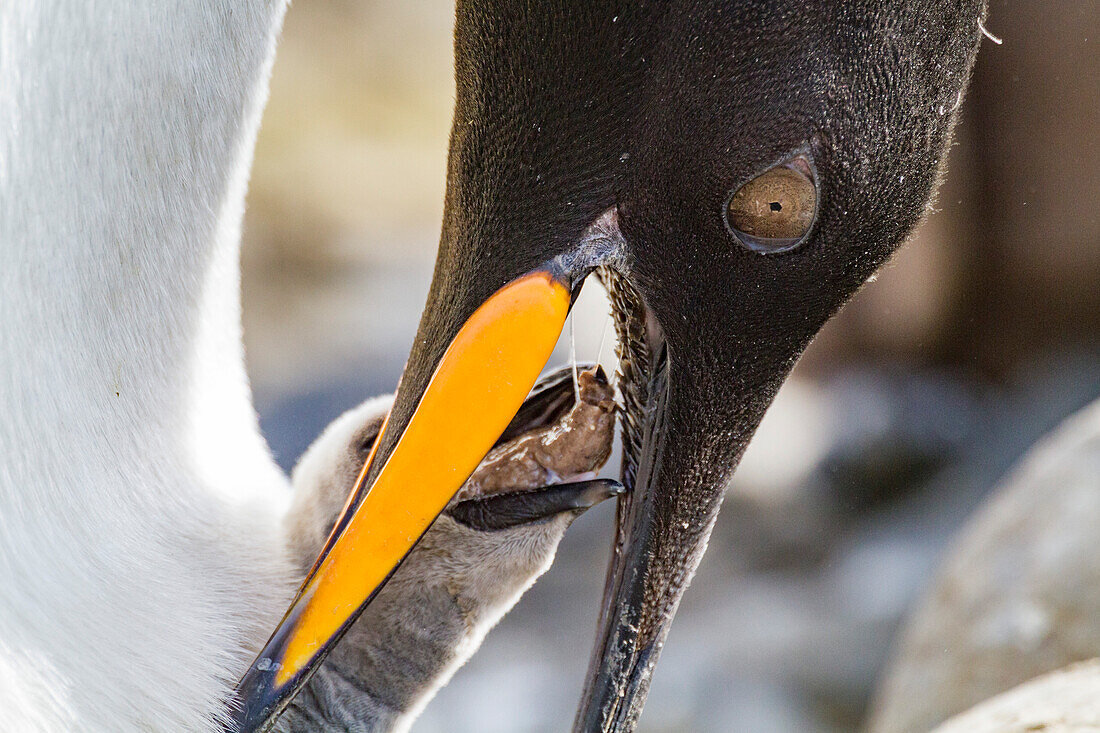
686, 418
424, 455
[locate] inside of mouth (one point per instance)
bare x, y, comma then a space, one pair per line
639, 348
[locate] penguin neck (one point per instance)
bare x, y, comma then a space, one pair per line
134, 483
126, 136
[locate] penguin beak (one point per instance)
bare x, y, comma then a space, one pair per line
422, 458
689, 412
664, 521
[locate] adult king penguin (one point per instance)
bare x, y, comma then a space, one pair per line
733, 170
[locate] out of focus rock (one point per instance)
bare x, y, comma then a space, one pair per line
1019, 594
1066, 701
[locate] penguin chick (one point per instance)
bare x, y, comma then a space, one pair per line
496, 536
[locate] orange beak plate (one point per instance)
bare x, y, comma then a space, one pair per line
475, 391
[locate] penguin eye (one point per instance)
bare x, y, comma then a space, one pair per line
774, 211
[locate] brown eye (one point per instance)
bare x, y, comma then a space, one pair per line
774, 211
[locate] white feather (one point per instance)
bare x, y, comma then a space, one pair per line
140, 557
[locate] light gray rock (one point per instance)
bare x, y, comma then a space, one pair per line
1066, 701
1018, 596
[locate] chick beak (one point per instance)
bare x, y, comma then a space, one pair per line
426, 455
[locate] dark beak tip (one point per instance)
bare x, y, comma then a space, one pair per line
599, 490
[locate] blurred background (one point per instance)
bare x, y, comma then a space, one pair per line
981, 335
